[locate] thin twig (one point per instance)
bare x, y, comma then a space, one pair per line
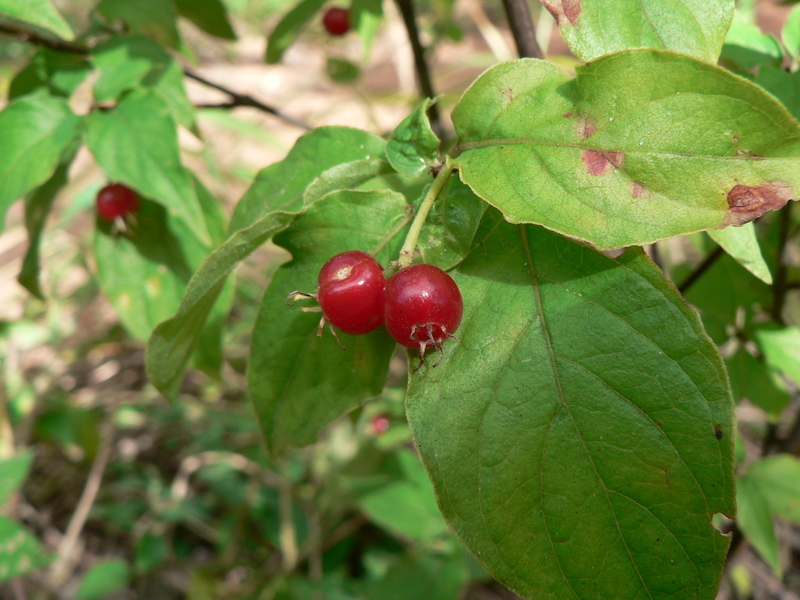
521, 23
408, 13
712, 257
60, 569
236, 98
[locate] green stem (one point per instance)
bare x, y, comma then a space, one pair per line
407, 251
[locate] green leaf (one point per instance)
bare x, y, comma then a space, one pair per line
289, 27
209, 15
126, 62
741, 243
39, 13
592, 28
366, 16
420, 574
791, 34
606, 157
151, 551
59, 72
747, 47
755, 520
450, 227
783, 85
414, 147
172, 343
35, 131
37, 208
281, 185
349, 175
13, 472
779, 478
103, 579
400, 498
752, 379
342, 71
782, 350
300, 382
143, 272
20, 551
136, 143
156, 19
578, 385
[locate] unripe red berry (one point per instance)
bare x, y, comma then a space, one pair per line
116, 201
423, 306
336, 21
351, 292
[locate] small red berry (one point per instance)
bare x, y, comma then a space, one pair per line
116, 201
380, 424
423, 306
351, 292
336, 21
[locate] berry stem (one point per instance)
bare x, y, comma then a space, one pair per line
407, 251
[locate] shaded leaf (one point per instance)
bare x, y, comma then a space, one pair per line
300, 382
783, 85
752, 379
420, 574
605, 157
154, 18
578, 385
592, 28
13, 472
209, 15
35, 131
747, 47
39, 13
172, 343
755, 520
741, 243
342, 71
37, 208
60, 72
414, 147
779, 479
791, 33
136, 143
349, 175
366, 17
289, 27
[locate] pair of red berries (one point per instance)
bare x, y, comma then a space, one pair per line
420, 305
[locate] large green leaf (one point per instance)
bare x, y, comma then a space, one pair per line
40, 13
300, 382
579, 433
172, 343
20, 551
592, 28
136, 143
35, 131
125, 62
281, 186
608, 156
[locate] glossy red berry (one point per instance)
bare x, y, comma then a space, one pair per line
423, 306
351, 292
336, 21
116, 201
380, 424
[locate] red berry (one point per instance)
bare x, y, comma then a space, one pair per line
351, 292
380, 424
423, 306
336, 21
115, 201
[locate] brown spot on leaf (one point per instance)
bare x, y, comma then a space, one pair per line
718, 431
599, 163
750, 202
565, 12
584, 127
639, 191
